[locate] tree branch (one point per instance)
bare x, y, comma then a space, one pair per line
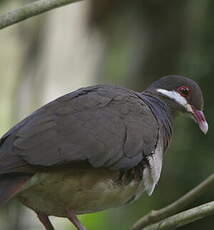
184, 218
175, 207
30, 10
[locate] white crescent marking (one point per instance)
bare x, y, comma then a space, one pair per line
151, 174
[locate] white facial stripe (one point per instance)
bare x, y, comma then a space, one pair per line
174, 96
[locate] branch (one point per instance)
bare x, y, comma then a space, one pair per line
30, 10
184, 218
175, 207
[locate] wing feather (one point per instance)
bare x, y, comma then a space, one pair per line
103, 125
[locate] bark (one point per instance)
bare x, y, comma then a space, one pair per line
30, 10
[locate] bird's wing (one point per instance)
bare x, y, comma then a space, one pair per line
104, 126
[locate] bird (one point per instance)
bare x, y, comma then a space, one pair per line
95, 148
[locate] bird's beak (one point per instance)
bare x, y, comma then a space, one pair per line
199, 117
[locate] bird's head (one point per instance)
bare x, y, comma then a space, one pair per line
182, 95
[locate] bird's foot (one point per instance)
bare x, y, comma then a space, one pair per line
45, 221
73, 218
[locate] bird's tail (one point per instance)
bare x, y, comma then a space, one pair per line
11, 184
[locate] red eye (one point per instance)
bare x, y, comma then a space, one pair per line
184, 91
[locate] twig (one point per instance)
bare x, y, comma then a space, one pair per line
30, 10
184, 218
175, 207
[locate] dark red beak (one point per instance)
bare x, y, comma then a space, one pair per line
200, 119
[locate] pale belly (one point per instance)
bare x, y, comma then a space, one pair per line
56, 192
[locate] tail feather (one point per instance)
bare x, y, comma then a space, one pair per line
11, 184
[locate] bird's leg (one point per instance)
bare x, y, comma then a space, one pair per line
73, 218
45, 221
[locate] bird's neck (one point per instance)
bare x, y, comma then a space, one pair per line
162, 113
161, 102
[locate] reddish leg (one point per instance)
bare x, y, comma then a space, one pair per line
45, 221
73, 218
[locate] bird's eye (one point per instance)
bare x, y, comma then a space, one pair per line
184, 90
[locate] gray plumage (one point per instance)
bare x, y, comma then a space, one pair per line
95, 148
103, 125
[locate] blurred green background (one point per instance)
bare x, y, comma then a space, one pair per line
122, 42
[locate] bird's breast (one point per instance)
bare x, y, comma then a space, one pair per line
83, 191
